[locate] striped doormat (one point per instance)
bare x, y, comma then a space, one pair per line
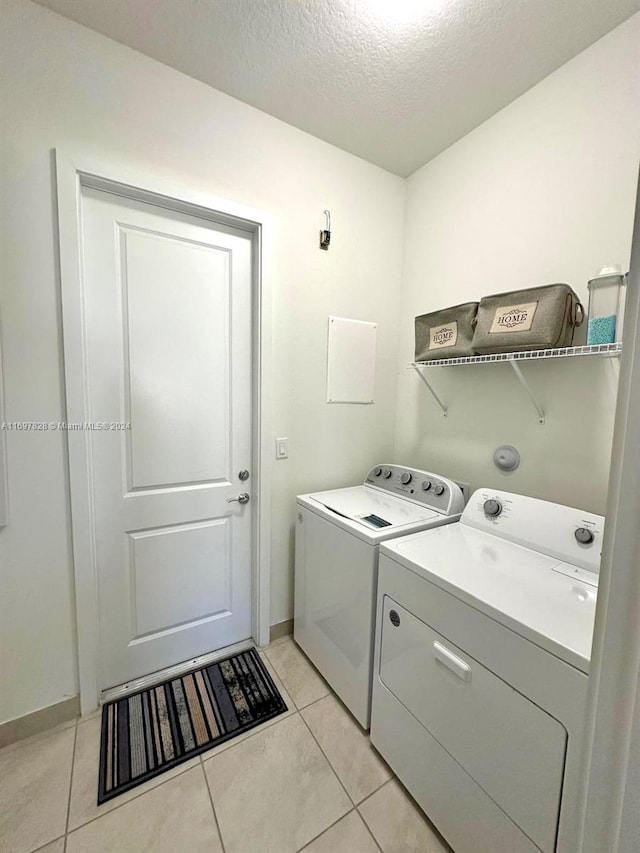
151, 731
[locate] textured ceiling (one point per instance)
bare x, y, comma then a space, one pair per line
393, 81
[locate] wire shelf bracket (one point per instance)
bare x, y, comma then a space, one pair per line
521, 379
433, 393
613, 351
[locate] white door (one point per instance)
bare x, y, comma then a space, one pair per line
167, 301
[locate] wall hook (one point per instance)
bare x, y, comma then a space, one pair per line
325, 235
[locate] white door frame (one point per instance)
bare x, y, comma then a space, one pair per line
72, 173
611, 796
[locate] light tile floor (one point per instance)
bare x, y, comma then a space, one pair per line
308, 780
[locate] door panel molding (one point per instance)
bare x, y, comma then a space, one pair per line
141, 471
73, 173
144, 567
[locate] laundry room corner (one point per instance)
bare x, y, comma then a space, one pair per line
541, 192
319, 471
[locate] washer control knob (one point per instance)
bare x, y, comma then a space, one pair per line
584, 535
405, 478
377, 472
426, 485
439, 489
492, 508
386, 473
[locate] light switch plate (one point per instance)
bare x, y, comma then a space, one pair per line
282, 448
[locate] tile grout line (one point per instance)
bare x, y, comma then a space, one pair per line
326, 758
282, 682
315, 701
368, 797
295, 713
320, 834
417, 808
137, 796
309, 704
362, 817
53, 840
355, 805
9, 748
73, 763
213, 808
368, 828
319, 699
267, 724
375, 790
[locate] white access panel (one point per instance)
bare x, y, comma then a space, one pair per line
351, 361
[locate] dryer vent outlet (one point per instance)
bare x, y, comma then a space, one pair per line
465, 488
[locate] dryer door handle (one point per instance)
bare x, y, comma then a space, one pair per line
457, 666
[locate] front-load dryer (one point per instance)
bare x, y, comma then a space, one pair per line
336, 564
482, 655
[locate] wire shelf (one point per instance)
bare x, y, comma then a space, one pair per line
606, 350
511, 358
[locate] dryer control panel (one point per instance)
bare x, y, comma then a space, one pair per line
571, 535
423, 487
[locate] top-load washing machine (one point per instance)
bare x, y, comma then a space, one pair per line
336, 564
483, 643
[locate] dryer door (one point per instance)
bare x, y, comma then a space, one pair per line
512, 749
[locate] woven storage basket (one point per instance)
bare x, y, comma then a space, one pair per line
537, 318
447, 333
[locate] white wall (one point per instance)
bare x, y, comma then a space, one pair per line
67, 87
542, 192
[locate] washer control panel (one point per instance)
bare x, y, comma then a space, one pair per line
492, 508
572, 535
423, 487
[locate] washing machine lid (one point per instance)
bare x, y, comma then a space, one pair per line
360, 502
370, 512
546, 600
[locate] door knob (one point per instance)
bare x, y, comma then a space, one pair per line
243, 498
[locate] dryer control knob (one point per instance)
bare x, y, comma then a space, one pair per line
426, 485
377, 472
439, 489
492, 508
405, 478
386, 473
584, 535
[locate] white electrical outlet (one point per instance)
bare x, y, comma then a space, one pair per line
282, 448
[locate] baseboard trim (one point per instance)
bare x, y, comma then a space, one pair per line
39, 721
69, 709
281, 629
